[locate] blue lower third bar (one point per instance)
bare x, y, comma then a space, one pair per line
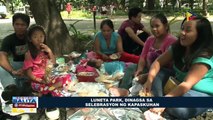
125, 102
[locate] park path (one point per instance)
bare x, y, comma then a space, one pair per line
87, 26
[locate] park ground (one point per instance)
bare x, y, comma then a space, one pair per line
87, 25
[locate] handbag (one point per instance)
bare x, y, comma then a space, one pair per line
86, 73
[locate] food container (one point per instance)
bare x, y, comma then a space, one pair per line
87, 76
60, 60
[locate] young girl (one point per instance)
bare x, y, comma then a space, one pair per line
193, 66
36, 60
154, 46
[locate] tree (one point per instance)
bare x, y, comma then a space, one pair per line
151, 4
174, 2
47, 15
136, 3
191, 4
205, 7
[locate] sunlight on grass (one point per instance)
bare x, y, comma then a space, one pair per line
76, 14
9, 15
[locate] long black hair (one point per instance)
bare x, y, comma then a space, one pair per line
107, 22
32, 48
202, 47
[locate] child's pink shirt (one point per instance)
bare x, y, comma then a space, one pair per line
38, 64
149, 53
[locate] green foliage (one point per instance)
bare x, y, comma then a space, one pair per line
121, 13
18, 2
211, 12
100, 17
81, 40
135, 3
210, 6
105, 2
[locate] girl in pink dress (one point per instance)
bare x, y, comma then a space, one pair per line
36, 64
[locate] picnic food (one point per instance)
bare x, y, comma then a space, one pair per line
110, 78
86, 73
102, 94
108, 85
73, 55
105, 79
135, 79
118, 76
48, 70
83, 94
143, 94
114, 56
62, 68
85, 89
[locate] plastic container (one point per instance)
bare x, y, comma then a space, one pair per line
60, 60
87, 76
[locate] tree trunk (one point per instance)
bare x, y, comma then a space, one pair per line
205, 7
179, 4
191, 4
47, 15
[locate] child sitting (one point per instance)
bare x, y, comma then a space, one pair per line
36, 64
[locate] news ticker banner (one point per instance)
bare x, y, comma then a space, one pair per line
106, 102
24, 104
29, 104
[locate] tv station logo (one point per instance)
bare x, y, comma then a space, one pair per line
24, 104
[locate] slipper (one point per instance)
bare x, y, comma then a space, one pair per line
52, 113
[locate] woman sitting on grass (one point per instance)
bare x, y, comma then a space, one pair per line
108, 42
193, 65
